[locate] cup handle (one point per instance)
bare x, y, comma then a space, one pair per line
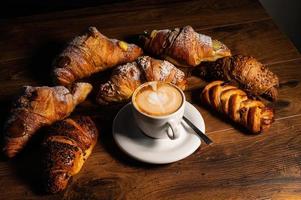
175, 130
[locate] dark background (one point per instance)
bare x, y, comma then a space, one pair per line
285, 13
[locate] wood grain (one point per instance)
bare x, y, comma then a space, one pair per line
22, 36
236, 166
266, 45
260, 39
236, 169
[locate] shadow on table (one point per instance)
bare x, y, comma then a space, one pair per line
40, 64
4, 110
107, 141
26, 165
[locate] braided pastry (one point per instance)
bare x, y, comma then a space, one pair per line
183, 46
66, 148
244, 71
235, 104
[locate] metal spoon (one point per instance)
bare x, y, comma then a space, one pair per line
202, 135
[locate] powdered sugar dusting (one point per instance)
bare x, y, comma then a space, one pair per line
183, 37
205, 40
179, 77
187, 35
166, 68
129, 70
108, 88
60, 92
144, 62
24, 102
126, 71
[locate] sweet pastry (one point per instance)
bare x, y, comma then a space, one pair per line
67, 146
90, 53
183, 46
244, 71
126, 78
37, 107
235, 104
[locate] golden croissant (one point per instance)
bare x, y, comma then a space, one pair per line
90, 53
126, 78
183, 46
244, 71
66, 147
37, 107
236, 105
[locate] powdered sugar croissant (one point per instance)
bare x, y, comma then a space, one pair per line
126, 78
37, 107
183, 46
90, 53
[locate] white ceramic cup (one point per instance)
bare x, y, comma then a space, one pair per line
160, 127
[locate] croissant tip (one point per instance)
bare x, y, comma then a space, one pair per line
93, 31
56, 182
61, 76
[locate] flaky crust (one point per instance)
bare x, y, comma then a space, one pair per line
126, 78
161, 70
235, 104
244, 71
183, 46
90, 53
121, 85
66, 147
37, 107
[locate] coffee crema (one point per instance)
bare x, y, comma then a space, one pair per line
158, 99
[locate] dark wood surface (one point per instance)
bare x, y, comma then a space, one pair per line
236, 166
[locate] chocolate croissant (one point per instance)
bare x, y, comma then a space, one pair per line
126, 78
183, 46
244, 71
67, 146
91, 53
236, 105
37, 107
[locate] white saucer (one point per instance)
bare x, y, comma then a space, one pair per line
157, 151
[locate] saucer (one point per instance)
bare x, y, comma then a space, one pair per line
136, 144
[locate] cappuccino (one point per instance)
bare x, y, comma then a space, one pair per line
157, 99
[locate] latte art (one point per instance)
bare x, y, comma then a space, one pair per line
158, 99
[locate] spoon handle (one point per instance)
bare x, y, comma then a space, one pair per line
204, 137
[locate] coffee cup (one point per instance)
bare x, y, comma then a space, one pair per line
158, 109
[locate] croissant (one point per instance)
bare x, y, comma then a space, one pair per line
244, 71
37, 107
183, 46
234, 103
126, 78
91, 53
66, 147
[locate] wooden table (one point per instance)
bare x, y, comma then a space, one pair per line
236, 166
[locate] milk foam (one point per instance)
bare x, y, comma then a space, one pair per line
158, 99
